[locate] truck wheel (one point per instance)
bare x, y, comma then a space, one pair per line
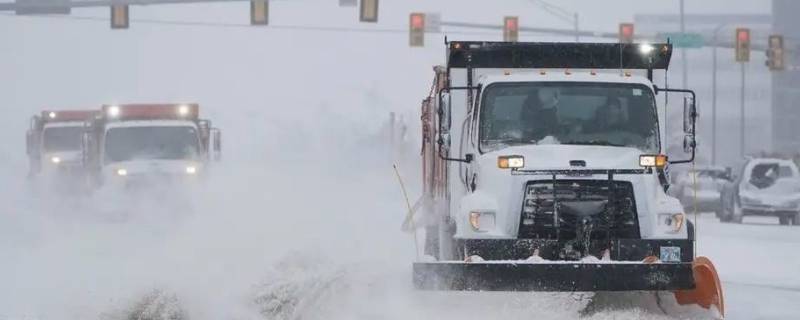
784, 220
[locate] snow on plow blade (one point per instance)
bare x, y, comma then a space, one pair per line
507, 276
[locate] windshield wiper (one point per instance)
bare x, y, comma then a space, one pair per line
595, 143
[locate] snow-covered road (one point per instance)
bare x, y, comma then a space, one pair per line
758, 262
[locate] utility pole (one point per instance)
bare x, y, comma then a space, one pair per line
714, 95
684, 61
742, 122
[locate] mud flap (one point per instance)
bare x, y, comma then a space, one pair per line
565, 277
707, 291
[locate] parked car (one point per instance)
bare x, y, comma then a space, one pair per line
706, 187
764, 187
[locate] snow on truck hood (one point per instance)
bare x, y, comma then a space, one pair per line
559, 156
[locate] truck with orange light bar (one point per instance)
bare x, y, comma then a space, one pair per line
544, 169
140, 146
53, 144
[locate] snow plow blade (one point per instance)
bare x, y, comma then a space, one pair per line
707, 291
566, 277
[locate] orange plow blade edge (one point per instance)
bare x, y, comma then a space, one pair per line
707, 291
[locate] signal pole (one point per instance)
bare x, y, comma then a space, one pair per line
742, 121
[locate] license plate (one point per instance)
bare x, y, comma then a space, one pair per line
670, 254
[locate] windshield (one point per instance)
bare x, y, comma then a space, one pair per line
764, 175
168, 143
612, 114
57, 139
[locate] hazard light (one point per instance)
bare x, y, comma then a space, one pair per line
653, 161
152, 111
513, 162
66, 115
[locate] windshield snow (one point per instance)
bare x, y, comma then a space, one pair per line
62, 138
167, 143
609, 114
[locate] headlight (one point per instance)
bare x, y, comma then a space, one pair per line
482, 221
55, 160
514, 162
52, 115
651, 160
191, 170
673, 222
122, 172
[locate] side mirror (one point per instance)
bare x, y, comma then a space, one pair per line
216, 144
689, 115
689, 143
444, 113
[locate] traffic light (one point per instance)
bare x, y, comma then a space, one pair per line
259, 12
369, 11
626, 33
742, 45
416, 27
511, 29
119, 16
775, 53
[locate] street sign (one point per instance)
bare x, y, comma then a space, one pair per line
683, 40
42, 7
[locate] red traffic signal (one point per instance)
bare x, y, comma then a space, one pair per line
511, 29
416, 30
742, 45
626, 32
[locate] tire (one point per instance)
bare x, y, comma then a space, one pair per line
795, 219
785, 220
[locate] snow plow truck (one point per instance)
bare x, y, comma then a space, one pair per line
544, 169
53, 144
140, 146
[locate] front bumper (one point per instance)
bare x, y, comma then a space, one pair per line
554, 276
768, 210
505, 267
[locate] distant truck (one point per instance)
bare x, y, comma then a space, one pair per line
146, 145
53, 144
544, 170
764, 187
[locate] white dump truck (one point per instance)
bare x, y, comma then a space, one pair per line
544, 169
136, 146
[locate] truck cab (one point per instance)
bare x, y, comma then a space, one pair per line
53, 144
146, 145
